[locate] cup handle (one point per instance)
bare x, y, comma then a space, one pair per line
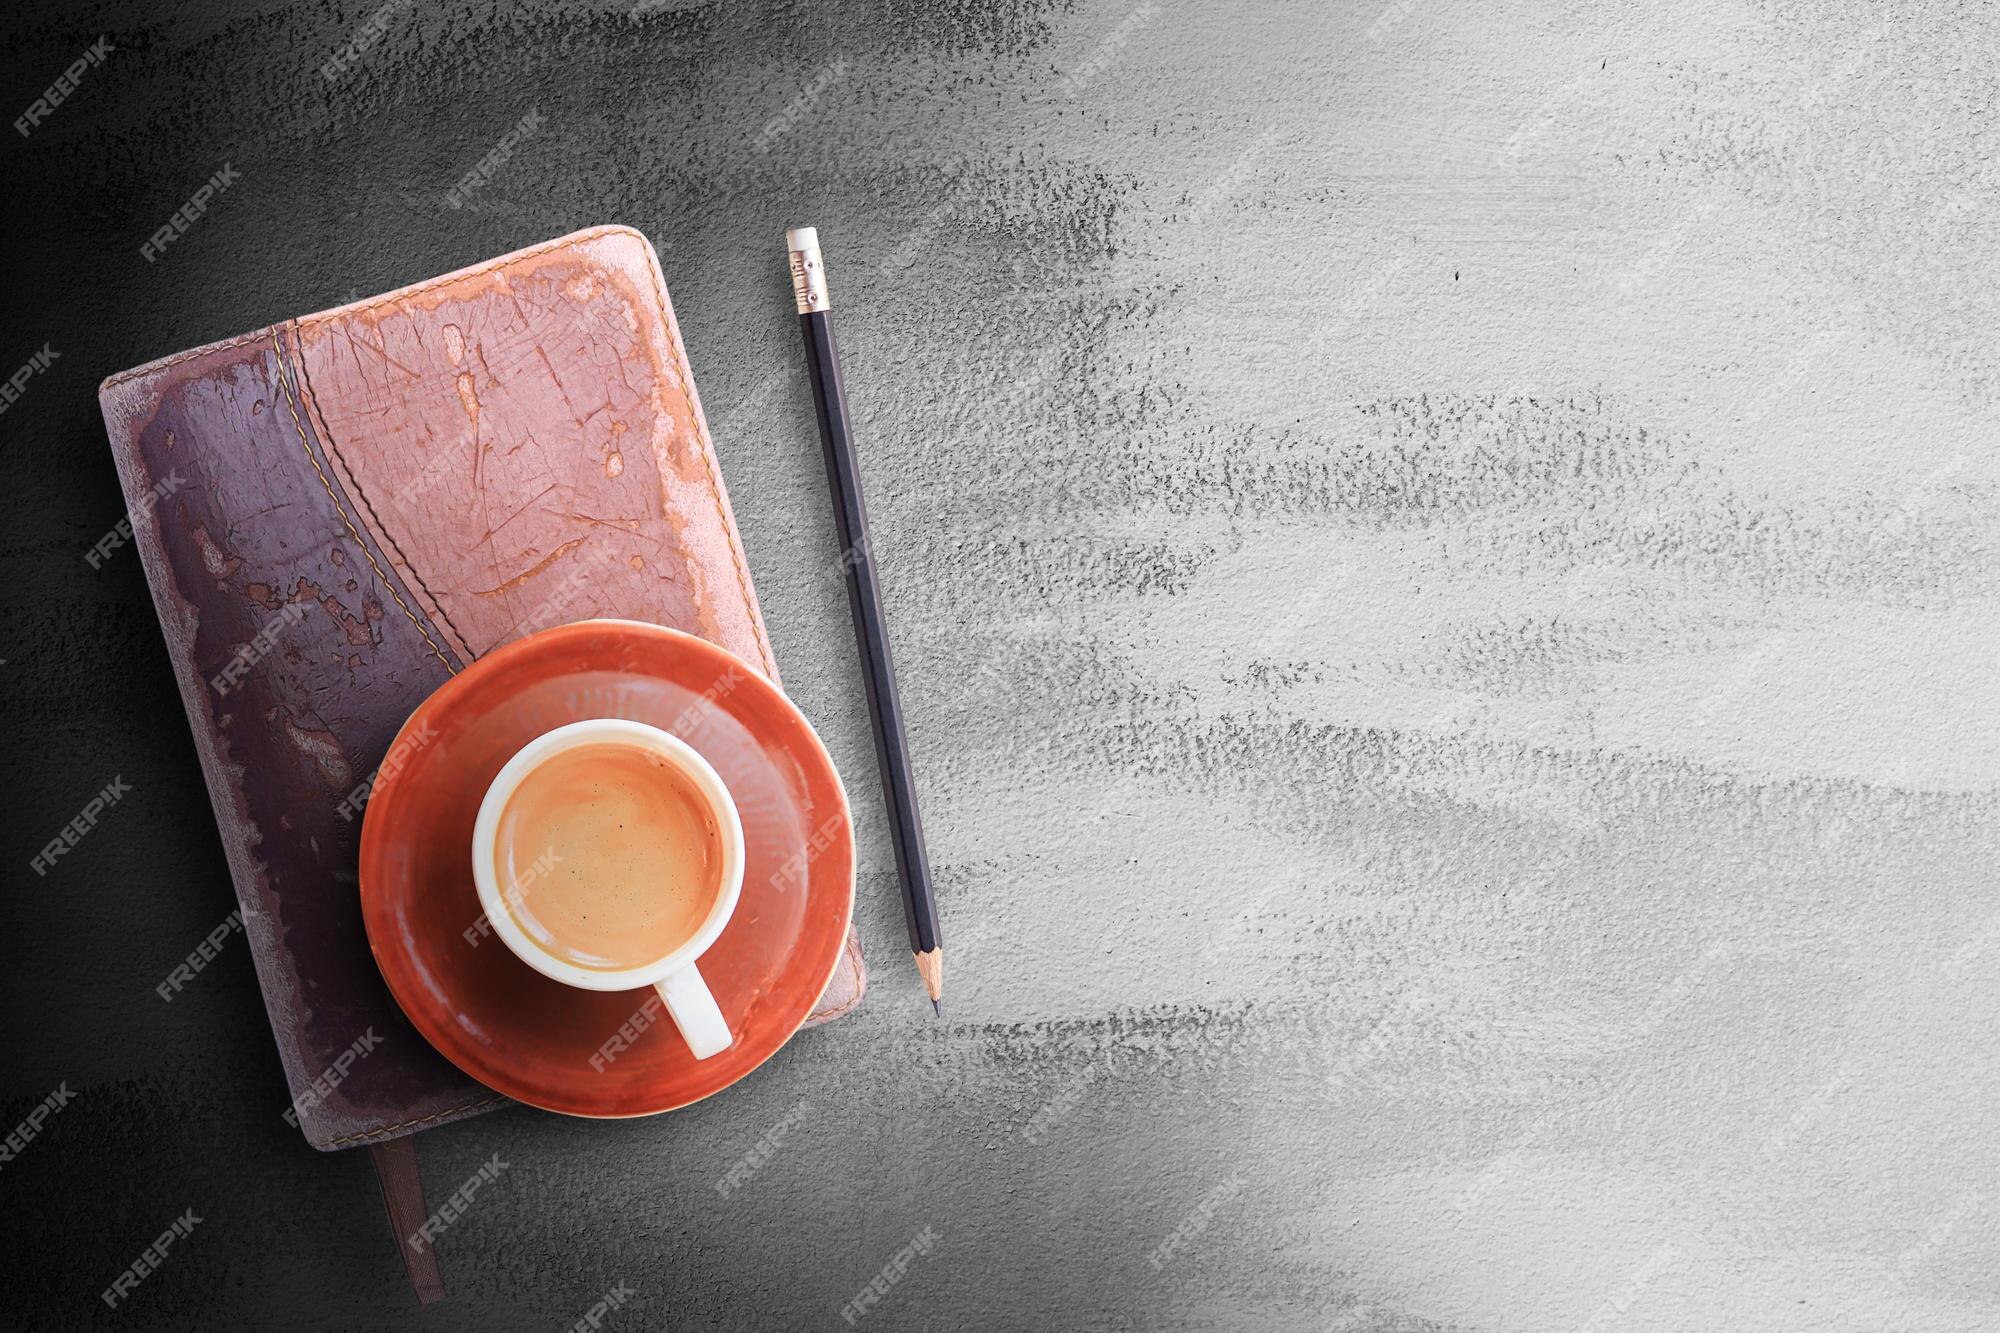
695, 1013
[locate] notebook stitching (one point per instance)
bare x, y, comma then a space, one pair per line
714, 482
284, 383
736, 556
387, 1130
354, 484
153, 367
514, 257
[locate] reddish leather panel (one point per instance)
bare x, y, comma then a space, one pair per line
525, 440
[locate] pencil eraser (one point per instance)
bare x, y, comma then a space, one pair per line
802, 238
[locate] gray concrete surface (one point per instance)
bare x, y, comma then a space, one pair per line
1443, 561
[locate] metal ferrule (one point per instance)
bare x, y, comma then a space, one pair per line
808, 271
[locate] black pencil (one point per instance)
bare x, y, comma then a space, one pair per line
865, 601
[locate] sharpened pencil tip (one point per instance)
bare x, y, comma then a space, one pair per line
937, 1007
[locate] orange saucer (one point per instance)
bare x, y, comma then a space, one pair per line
552, 1045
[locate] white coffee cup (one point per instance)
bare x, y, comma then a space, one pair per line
673, 975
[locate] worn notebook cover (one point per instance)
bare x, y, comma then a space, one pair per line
338, 512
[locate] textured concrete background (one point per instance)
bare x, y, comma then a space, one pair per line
1444, 566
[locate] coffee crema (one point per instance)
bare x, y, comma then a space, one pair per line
609, 856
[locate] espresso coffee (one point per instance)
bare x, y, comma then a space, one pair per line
609, 856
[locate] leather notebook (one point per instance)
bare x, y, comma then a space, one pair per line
337, 513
